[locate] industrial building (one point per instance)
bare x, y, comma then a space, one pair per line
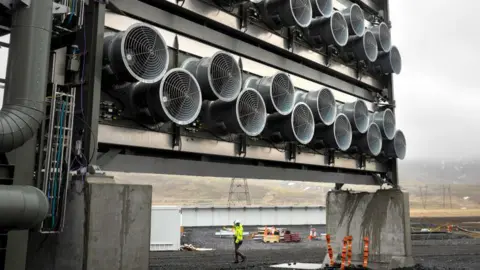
265, 89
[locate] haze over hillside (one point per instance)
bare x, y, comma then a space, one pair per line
441, 171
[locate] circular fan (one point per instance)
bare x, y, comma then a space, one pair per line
355, 20
395, 60
370, 48
357, 113
278, 93
374, 139
322, 8
400, 144
339, 29
382, 34
342, 131
179, 96
220, 77
251, 112
138, 54
303, 124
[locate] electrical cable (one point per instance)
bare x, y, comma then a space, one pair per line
58, 161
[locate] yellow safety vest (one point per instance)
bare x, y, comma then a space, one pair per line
238, 233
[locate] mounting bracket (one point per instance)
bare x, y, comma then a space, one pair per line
242, 145
291, 151
361, 161
176, 139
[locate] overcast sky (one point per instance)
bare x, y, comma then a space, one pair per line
437, 93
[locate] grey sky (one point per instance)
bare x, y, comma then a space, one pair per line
438, 97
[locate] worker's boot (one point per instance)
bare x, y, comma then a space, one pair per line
244, 258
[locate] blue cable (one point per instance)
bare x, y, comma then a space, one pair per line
74, 8
58, 163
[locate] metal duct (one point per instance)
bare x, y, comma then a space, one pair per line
370, 142
22, 207
251, 82
385, 121
328, 31
26, 79
278, 93
390, 62
177, 97
355, 20
396, 148
246, 115
219, 76
321, 102
336, 136
298, 126
288, 13
322, 8
137, 54
383, 37
357, 113
363, 48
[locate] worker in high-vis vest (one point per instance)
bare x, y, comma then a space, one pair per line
238, 238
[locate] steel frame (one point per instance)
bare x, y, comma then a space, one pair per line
130, 156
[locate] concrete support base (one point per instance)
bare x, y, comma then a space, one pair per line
383, 217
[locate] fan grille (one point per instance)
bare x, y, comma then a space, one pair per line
180, 96
342, 132
225, 76
357, 20
251, 112
339, 29
370, 46
301, 11
282, 93
400, 144
324, 7
361, 116
385, 38
326, 106
396, 60
144, 53
388, 124
374, 139
303, 124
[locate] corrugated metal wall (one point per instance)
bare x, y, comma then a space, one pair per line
224, 216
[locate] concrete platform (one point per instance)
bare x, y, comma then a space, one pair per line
382, 216
298, 266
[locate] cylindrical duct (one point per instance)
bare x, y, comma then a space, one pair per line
278, 93
27, 71
22, 207
386, 122
219, 76
396, 148
246, 115
355, 20
288, 13
321, 102
251, 82
383, 37
336, 136
363, 48
137, 54
370, 142
390, 62
322, 8
298, 126
357, 113
177, 97
328, 31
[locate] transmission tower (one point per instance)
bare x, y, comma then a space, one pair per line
239, 193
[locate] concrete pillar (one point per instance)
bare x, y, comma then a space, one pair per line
383, 216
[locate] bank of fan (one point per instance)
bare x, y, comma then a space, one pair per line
238, 240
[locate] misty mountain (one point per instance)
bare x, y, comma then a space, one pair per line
441, 172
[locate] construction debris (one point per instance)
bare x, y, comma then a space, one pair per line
189, 247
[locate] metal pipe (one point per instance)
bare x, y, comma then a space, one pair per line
27, 72
22, 207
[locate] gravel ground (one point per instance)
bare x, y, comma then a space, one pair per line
431, 251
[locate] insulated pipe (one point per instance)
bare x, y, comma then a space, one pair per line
336, 136
321, 102
370, 142
386, 122
389, 63
328, 31
355, 20
396, 148
357, 113
322, 8
383, 37
22, 207
362, 48
27, 72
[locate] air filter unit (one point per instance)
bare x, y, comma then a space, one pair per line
219, 76
287, 13
321, 102
370, 142
138, 54
336, 136
388, 63
383, 37
328, 31
176, 98
385, 121
362, 48
278, 93
322, 8
357, 113
355, 20
298, 126
247, 115
396, 148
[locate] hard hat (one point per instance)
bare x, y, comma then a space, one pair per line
236, 222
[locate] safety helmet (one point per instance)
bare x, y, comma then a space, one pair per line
236, 222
